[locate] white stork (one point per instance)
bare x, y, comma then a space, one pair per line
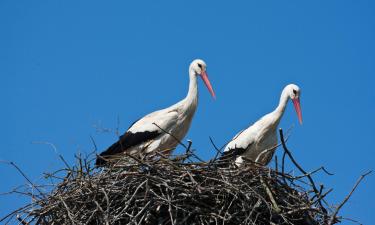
258, 142
163, 129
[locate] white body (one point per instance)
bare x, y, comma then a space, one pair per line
259, 141
174, 120
164, 129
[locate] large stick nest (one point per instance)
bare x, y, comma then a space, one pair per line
181, 190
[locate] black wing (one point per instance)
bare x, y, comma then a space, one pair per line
126, 141
232, 154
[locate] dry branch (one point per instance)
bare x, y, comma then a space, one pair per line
180, 190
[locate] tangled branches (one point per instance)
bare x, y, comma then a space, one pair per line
179, 191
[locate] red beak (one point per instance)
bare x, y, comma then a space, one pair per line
207, 83
297, 107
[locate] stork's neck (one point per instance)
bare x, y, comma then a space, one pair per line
193, 86
191, 99
280, 109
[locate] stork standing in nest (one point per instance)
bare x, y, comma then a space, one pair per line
161, 130
258, 142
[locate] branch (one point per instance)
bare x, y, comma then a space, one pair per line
54, 149
178, 140
24, 175
188, 151
218, 151
333, 218
300, 168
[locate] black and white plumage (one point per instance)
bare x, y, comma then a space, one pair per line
258, 142
161, 130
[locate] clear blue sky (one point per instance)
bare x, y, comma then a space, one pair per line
67, 67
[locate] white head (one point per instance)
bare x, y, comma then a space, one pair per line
294, 93
198, 67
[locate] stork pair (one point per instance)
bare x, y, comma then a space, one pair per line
162, 130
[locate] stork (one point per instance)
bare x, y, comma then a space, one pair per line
161, 130
258, 142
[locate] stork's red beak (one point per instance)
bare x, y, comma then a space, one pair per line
297, 106
207, 83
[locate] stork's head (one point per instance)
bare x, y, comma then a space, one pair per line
198, 67
294, 93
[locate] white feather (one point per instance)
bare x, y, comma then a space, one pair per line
260, 139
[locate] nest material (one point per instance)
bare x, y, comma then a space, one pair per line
166, 191
183, 190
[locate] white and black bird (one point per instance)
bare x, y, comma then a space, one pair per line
258, 142
163, 129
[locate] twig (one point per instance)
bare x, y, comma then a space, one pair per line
178, 140
188, 147
333, 217
24, 175
270, 195
300, 168
218, 151
188, 151
312, 172
94, 143
22, 221
54, 149
157, 190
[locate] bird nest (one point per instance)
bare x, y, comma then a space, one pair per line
180, 190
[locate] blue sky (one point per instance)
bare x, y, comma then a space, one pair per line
69, 67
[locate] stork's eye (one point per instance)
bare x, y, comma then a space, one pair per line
200, 65
294, 91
